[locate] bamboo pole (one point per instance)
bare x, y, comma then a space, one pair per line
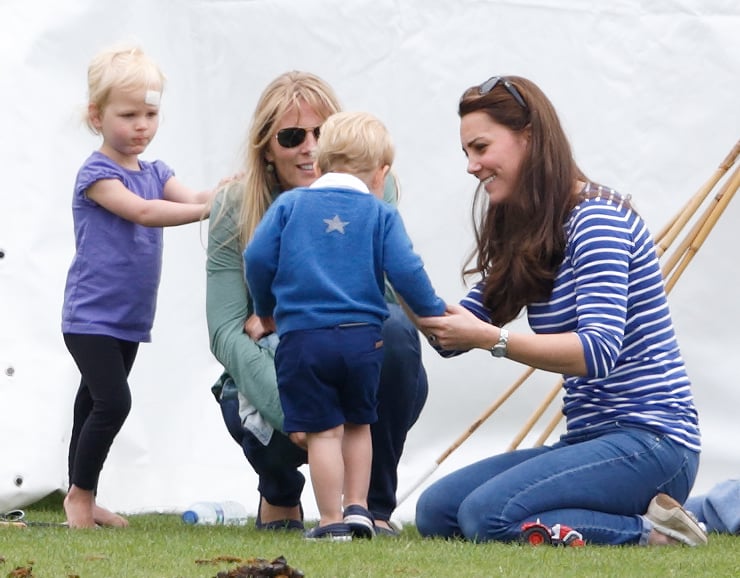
707, 224
551, 425
468, 432
670, 231
486, 414
536, 415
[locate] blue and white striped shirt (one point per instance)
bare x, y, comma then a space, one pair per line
609, 291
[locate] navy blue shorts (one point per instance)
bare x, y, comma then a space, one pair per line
328, 377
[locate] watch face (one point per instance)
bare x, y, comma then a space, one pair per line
499, 350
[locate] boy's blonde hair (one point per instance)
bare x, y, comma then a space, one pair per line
354, 142
124, 68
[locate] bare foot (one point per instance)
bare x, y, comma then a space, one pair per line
270, 513
105, 517
78, 506
656, 538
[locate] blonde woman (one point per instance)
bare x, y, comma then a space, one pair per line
280, 151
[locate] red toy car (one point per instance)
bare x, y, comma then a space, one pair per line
536, 534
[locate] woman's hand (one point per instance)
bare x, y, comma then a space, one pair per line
258, 327
458, 329
229, 179
299, 439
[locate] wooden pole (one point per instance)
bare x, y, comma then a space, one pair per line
704, 227
551, 425
670, 231
468, 432
536, 415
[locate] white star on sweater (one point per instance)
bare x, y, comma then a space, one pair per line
335, 224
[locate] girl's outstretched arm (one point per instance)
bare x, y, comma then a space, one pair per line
112, 195
177, 192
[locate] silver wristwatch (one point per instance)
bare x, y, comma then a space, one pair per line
499, 350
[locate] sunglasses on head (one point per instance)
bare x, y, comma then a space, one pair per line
492, 82
293, 136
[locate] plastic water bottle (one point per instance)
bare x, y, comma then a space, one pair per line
216, 513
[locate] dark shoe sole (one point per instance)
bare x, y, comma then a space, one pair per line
287, 524
337, 532
360, 521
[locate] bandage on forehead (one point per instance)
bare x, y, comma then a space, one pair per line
152, 97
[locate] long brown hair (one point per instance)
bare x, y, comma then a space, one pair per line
521, 243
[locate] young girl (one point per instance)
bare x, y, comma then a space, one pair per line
120, 205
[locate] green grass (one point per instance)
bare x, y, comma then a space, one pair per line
161, 546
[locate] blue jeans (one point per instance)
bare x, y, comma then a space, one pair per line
599, 485
402, 393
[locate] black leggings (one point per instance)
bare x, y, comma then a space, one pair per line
102, 403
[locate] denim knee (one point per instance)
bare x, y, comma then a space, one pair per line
478, 525
435, 515
230, 413
423, 517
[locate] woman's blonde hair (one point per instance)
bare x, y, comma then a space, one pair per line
354, 142
124, 68
260, 182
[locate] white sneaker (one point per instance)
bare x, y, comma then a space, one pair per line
669, 518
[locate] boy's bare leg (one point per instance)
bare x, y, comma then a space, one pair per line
357, 451
327, 473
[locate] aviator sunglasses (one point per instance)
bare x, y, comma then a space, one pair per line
491, 83
293, 136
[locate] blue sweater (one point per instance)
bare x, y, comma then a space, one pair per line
609, 291
318, 257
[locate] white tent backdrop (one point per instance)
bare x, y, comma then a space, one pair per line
648, 92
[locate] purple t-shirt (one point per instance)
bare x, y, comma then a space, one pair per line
113, 280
